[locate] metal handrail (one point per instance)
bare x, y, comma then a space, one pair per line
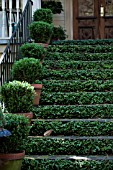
14, 17
19, 36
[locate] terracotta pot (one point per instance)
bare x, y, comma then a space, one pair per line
37, 88
27, 115
11, 161
45, 45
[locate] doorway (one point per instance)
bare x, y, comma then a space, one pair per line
93, 19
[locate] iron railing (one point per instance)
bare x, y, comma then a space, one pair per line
19, 36
14, 19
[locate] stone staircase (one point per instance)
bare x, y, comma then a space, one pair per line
72, 127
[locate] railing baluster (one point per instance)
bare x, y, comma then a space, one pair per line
17, 9
10, 18
3, 18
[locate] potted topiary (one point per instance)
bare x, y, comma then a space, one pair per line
18, 97
54, 5
30, 70
12, 146
41, 32
3, 132
32, 50
42, 14
59, 33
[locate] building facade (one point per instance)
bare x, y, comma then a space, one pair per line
82, 19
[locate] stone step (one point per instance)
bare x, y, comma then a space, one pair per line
69, 145
65, 162
71, 157
80, 49
71, 98
73, 120
77, 85
84, 127
78, 57
61, 137
73, 111
80, 65
84, 42
71, 74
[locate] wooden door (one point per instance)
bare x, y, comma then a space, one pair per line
93, 19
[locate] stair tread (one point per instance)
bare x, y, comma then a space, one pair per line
65, 120
69, 157
73, 137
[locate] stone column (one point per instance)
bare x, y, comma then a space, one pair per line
68, 5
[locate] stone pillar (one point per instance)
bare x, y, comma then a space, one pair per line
3, 18
10, 18
68, 5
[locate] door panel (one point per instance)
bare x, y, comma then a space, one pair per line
108, 19
93, 19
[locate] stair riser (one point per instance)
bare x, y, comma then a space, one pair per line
77, 128
60, 164
81, 49
76, 86
70, 146
76, 56
74, 111
76, 98
84, 42
80, 65
77, 75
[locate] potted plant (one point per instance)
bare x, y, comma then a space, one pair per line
41, 31
59, 33
32, 50
12, 146
54, 5
3, 132
42, 14
30, 70
18, 97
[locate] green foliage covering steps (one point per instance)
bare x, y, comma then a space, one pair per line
49, 146
77, 85
45, 164
67, 56
73, 111
77, 128
77, 74
85, 42
81, 49
61, 64
76, 98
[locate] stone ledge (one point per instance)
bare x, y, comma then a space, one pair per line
71, 157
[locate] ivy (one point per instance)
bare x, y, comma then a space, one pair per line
80, 49
77, 74
77, 86
67, 56
62, 146
73, 111
60, 64
77, 128
76, 98
57, 164
84, 42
